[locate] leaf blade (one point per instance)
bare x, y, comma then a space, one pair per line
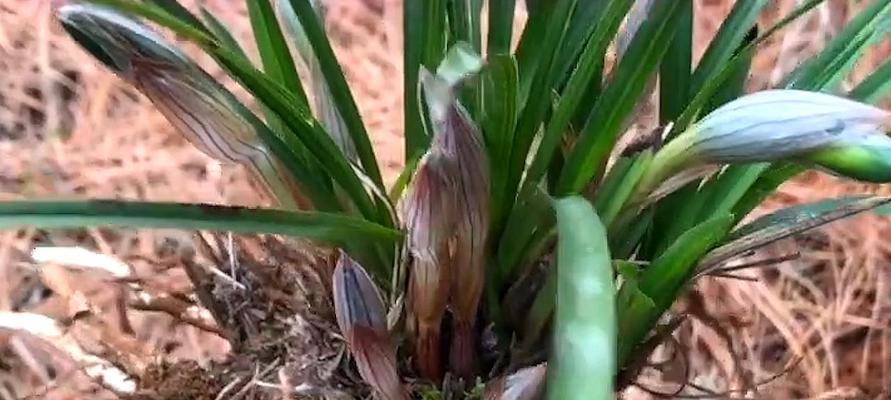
598, 137
73, 214
277, 60
339, 89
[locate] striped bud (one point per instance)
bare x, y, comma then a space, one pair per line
115, 39
200, 108
427, 213
837, 134
363, 322
459, 141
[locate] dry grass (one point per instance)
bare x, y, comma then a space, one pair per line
70, 129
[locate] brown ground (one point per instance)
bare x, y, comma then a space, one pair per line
70, 129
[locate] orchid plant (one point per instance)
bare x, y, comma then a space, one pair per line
521, 246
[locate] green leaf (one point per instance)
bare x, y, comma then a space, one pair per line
787, 222
339, 88
825, 70
585, 74
536, 56
727, 41
701, 201
767, 182
161, 17
309, 133
333, 228
619, 184
464, 22
582, 364
416, 139
875, 87
500, 85
325, 108
219, 30
674, 72
666, 277
174, 8
464, 27
631, 303
711, 86
579, 32
538, 44
519, 234
436, 32
501, 26
613, 108
735, 84
541, 311
278, 62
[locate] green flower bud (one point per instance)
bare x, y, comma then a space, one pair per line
837, 134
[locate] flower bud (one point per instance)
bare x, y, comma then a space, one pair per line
363, 322
200, 108
115, 39
427, 213
459, 140
838, 134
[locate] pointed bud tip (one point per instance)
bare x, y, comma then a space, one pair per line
114, 38
357, 301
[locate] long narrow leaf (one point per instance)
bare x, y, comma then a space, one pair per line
826, 69
633, 73
787, 222
500, 98
665, 277
76, 214
674, 72
173, 7
711, 86
586, 72
309, 133
536, 55
277, 60
340, 90
325, 107
416, 139
161, 17
875, 87
218, 29
539, 42
579, 32
501, 25
728, 39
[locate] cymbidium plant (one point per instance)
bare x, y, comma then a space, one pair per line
519, 244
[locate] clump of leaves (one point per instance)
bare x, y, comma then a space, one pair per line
508, 154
